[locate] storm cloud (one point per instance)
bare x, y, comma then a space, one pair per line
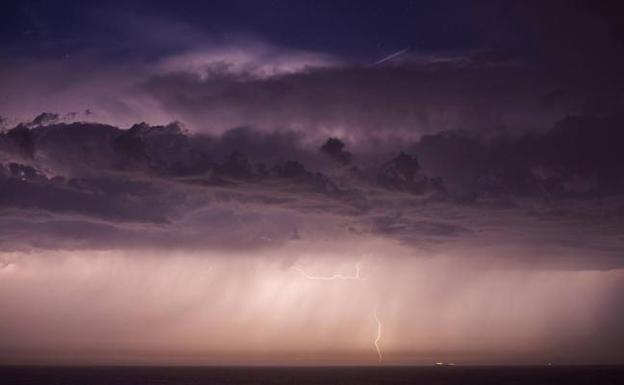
138, 184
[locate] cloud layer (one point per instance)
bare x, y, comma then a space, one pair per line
87, 185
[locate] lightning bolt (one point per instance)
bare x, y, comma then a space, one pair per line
355, 276
378, 337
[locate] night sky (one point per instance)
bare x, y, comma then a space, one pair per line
312, 183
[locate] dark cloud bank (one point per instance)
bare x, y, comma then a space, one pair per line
89, 185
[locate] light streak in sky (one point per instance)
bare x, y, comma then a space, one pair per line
356, 276
392, 56
378, 337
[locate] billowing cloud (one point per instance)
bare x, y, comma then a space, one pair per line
212, 88
160, 185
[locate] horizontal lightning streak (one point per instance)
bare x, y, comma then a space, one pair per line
356, 276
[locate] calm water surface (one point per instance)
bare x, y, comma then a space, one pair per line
308, 376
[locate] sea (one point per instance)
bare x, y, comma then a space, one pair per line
468, 375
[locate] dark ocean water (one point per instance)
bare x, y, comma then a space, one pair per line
308, 376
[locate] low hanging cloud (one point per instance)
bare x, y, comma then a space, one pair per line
87, 185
